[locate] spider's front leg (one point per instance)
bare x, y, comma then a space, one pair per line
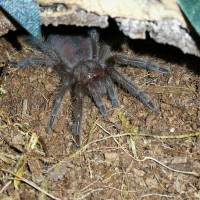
112, 94
136, 61
133, 89
96, 89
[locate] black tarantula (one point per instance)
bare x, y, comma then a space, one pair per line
87, 65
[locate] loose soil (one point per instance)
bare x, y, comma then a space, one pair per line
130, 154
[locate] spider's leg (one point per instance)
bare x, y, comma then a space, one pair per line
104, 52
137, 62
133, 89
77, 113
96, 93
112, 94
63, 87
39, 45
95, 43
32, 61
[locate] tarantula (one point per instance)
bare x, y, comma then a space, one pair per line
88, 66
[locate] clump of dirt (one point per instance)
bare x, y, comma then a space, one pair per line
130, 154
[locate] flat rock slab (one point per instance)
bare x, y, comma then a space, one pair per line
163, 20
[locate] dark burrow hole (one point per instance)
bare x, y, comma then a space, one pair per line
116, 39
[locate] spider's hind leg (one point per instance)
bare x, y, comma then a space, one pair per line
33, 62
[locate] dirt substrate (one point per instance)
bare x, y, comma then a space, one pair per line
130, 154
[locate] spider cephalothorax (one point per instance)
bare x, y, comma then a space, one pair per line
89, 67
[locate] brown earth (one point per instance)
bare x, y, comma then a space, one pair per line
130, 154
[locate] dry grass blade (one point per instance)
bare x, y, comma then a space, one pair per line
31, 184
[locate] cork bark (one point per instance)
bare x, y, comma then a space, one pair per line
163, 20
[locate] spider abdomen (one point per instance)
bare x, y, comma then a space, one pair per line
71, 49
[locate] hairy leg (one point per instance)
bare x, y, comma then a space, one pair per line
96, 93
104, 53
133, 89
77, 113
95, 43
33, 61
137, 62
112, 94
39, 45
63, 87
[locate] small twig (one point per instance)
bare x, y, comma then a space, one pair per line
175, 170
37, 90
5, 186
31, 184
156, 194
87, 193
114, 138
149, 158
82, 149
